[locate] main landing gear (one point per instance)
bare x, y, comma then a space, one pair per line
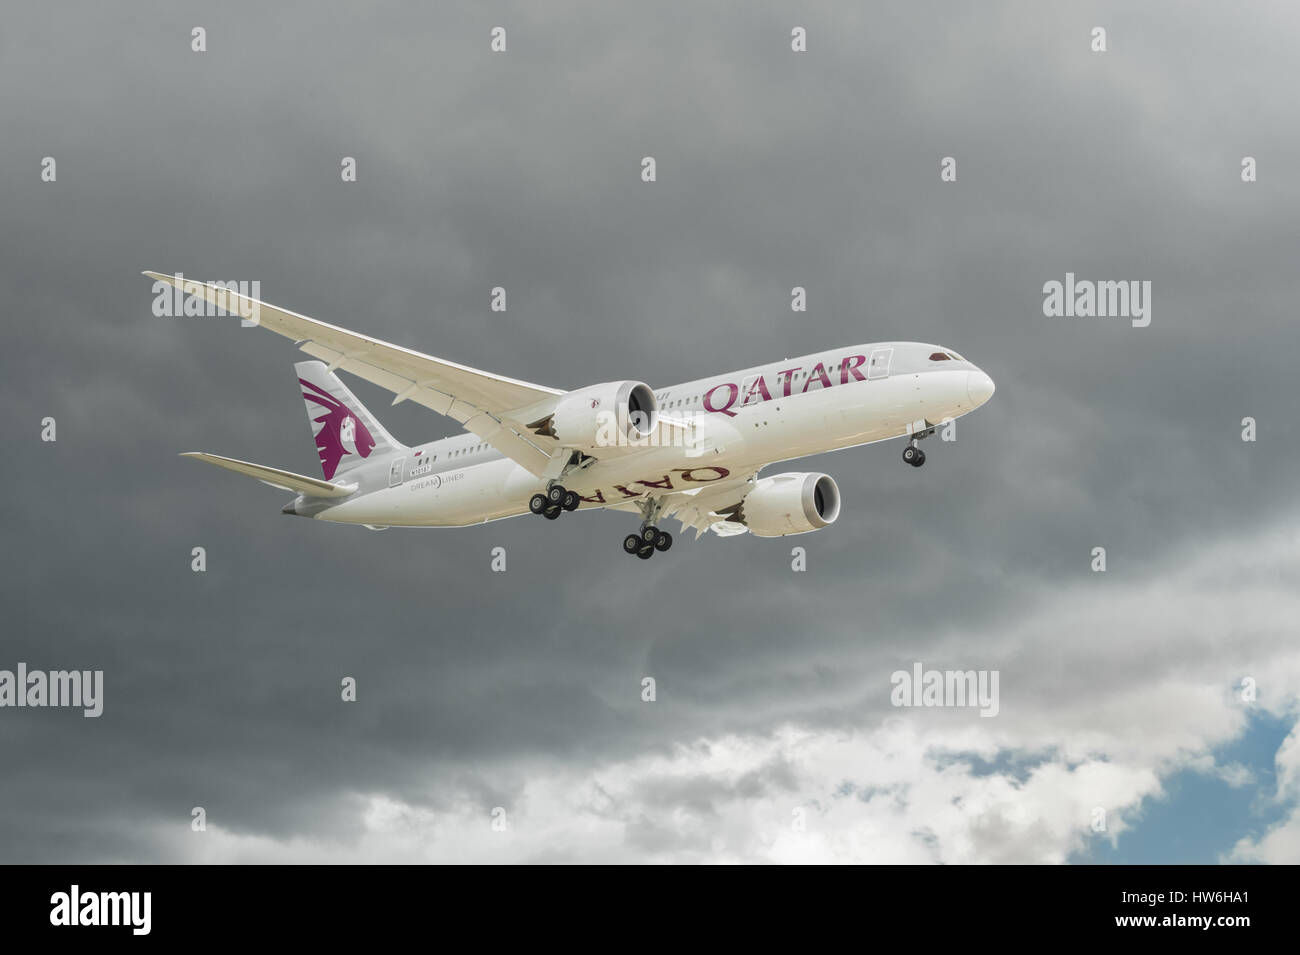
556, 499
647, 542
650, 538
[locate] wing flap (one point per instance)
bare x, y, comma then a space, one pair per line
708, 508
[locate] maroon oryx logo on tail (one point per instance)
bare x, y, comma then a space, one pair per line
339, 432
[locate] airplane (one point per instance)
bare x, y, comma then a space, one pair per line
691, 452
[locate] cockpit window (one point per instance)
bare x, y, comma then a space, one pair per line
940, 356
955, 357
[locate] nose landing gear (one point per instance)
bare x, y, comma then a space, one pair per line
912, 454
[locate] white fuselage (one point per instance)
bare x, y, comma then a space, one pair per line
787, 409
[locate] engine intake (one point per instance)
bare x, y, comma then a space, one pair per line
791, 503
617, 413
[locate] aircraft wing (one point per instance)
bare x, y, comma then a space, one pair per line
705, 508
491, 406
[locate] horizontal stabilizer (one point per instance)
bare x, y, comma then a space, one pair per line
287, 480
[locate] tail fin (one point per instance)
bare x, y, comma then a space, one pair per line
346, 433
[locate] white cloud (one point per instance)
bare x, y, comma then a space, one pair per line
1101, 699
1280, 845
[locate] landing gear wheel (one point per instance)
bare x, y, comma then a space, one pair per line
646, 552
537, 503
910, 454
663, 541
920, 458
551, 512
650, 534
555, 493
631, 544
571, 501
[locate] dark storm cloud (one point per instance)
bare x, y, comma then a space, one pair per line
521, 170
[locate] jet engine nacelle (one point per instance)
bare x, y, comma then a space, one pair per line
602, 416
791, 503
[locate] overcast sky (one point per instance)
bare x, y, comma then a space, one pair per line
522, 690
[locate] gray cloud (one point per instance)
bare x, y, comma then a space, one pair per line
521, 170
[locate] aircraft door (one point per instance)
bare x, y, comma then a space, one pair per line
878, 362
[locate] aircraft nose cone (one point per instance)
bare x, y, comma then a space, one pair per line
979, 387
